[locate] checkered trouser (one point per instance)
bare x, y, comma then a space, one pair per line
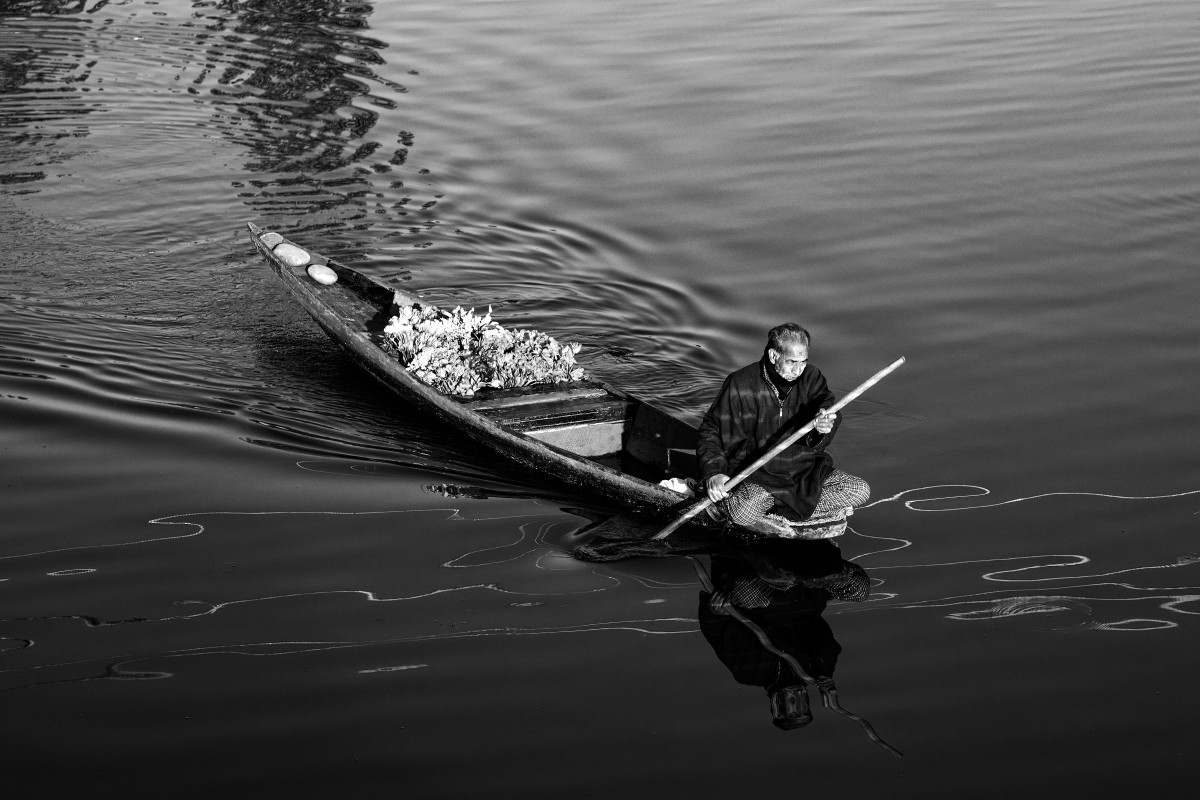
750, 502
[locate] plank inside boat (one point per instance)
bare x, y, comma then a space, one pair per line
583, 417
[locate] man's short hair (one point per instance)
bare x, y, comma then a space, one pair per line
787, 333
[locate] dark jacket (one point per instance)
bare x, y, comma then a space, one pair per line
748, 417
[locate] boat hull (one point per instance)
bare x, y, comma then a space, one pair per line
641, 428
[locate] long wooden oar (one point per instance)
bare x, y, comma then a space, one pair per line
777, 449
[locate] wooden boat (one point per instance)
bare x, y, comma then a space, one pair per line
585, 434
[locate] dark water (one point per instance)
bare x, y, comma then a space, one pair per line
225, 560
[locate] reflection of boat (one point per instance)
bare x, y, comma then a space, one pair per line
585, 434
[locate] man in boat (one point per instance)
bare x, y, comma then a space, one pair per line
758, 406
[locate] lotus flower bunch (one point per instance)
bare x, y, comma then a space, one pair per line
458, 352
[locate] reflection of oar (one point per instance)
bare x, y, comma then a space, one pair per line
826, 687
830, 700
777, 449
757, 631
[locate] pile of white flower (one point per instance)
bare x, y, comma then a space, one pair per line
458, 352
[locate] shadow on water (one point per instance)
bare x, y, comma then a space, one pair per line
762, 613
761, 609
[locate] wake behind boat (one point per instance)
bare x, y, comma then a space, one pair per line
582, 433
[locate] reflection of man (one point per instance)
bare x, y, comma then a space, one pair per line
782, 586
760, 405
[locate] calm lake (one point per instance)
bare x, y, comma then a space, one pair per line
232, 563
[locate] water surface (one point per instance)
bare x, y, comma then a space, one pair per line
230, 562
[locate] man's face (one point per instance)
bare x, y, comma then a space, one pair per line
790, 361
